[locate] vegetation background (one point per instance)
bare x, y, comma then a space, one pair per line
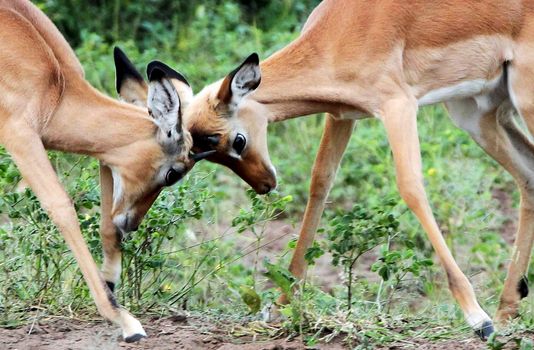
198, 248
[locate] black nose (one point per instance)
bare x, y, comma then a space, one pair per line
264, 188
130, 225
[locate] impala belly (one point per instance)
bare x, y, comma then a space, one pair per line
461, 90
464, 69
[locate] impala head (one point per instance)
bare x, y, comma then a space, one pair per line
221, 118
165, 155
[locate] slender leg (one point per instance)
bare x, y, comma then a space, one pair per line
520, 84
500, 137
520, 77
111, 237
522, 159
336, 136
29, 154
399, 117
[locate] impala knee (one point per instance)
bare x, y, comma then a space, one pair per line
320, 187
412, 192
60, 210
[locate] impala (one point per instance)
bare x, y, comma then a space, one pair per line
45, 103
356, 59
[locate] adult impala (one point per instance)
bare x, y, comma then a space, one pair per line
45, 103
384, 59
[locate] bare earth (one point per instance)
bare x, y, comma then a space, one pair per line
192, 333
182, 333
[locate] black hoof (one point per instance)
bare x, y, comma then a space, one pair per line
134, 338
485, 331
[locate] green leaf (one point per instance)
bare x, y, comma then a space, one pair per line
250, 298
280, 276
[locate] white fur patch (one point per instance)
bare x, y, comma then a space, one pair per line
117, 186
459, 91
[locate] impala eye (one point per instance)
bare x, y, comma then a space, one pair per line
172, 177
239, 143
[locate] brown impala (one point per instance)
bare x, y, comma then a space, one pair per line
358, 59
45, 103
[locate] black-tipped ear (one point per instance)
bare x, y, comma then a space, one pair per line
124, 69
241, 81
158, 68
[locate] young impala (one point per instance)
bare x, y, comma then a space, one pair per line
356, 59
45, 103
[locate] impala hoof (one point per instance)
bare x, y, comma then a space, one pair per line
134, 338
485, 331
270, 313
132, 330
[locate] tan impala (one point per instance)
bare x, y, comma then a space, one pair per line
356, 59
45, 103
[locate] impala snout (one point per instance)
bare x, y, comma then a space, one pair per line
260, 176
127, 218
126, 223
267, 184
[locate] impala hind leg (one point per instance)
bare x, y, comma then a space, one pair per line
111, 237
399, 118
521, 76
496, 132
29, 154
521, 154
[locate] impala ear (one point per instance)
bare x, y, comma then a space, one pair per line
129, 83
164, 106
177, 79
241, 81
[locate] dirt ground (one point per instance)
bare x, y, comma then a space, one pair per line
185, 334
192, 333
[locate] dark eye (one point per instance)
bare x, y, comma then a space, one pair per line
239, 143
172, 177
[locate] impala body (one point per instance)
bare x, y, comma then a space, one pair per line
383, 59
45, 103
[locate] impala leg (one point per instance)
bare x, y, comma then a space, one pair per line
500, 137
111, 237
399, 118
336, 136
29, 154
522, 161
521, 75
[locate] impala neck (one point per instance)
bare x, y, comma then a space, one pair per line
88, 122
296, 82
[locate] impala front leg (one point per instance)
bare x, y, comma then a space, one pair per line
399, 117
336, 136
28, 152
111, 237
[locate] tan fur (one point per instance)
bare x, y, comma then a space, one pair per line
384, 58
45, 103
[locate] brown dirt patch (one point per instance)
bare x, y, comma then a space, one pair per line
189, 334
166, 333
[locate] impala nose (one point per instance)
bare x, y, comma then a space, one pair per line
125, 223
267, 185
